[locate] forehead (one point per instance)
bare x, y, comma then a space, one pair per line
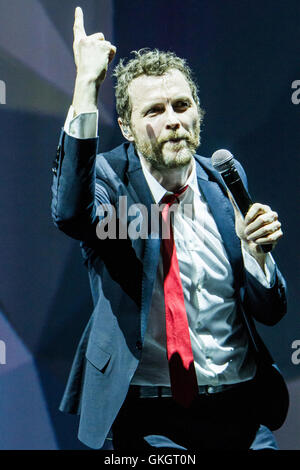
149, 89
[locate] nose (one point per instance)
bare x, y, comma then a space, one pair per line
172, 121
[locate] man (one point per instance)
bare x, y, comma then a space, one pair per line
170, 356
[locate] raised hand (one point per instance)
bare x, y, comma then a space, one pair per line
92, 54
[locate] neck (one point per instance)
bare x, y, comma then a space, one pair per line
171, 179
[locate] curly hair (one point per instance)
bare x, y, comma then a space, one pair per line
148, 62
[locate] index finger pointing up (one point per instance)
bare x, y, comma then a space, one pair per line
79, 31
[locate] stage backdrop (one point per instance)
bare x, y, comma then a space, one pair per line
245, 55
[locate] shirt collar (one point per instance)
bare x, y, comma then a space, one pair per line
158, 191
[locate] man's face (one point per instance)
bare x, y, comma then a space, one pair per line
165, 122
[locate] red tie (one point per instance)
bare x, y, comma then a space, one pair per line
179, 350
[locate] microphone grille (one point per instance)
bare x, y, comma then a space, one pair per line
221, 159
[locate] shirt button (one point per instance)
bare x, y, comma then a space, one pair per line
138, 345
199, 287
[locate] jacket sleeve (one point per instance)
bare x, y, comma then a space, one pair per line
266, 305
75, 192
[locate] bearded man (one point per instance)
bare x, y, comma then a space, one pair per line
170, 357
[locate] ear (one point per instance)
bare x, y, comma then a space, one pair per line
126, 131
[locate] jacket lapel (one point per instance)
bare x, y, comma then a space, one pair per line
136, 180
148, 249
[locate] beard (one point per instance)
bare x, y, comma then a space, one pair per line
173, 151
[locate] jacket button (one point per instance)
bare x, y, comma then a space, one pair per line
139, 345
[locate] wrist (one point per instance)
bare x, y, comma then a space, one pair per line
85, 93
256, 252
86, 78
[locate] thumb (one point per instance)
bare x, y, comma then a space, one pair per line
232, 201
237, 212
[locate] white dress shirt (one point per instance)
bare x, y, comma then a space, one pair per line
219, 339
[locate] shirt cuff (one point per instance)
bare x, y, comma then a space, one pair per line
252, 266
82, 126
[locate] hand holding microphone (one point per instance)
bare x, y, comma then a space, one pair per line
256, 224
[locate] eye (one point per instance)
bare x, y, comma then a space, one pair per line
154, 110
181, 105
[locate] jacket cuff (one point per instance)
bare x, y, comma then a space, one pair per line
267, 279
82, 126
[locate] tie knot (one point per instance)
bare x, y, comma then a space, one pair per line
171, 198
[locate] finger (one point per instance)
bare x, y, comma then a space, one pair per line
255, 210
260, 221
272, 238
79, 31
264, 231
110, 49
112, 53
99, 36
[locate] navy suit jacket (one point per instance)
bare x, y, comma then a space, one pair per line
122, 274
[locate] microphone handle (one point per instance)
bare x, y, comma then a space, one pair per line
240, 195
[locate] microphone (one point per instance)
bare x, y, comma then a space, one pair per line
222, 161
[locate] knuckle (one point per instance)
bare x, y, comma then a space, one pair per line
262, 219
276, 235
